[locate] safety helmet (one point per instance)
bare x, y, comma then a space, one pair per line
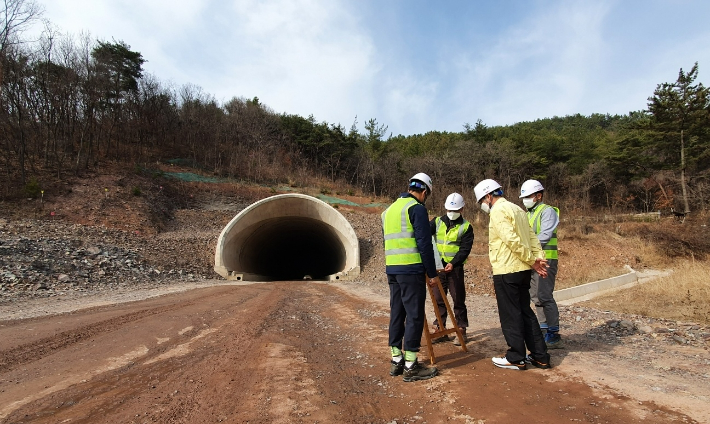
422, 178
485, 187
530, 187
454, 202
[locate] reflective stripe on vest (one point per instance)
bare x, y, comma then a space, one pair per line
448, 242
400, 244
535, 218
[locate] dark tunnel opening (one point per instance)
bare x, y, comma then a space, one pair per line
292, 248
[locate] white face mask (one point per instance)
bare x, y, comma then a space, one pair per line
453, 215
485, 208
529, 202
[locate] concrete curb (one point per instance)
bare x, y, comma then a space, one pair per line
589, 290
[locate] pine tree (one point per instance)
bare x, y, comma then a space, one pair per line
680, 117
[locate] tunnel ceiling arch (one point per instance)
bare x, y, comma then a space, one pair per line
288, 237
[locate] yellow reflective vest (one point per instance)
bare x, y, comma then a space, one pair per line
535, 218
448, 242
400, 244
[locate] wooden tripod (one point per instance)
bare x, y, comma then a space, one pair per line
442, 331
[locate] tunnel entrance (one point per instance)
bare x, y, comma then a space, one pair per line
288, 237
293, 249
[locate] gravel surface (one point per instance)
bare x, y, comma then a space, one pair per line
47, 259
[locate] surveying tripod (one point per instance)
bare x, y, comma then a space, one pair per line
442, 331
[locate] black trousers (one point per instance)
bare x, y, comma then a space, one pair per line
453, 283
517, 319
407, 296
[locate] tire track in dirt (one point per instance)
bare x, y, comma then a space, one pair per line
108, 387
23, 354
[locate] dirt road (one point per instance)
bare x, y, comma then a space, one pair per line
272, 353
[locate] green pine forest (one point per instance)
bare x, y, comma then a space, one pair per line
71, 105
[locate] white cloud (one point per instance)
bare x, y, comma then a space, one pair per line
300, 57
408, 102
539, 68
125, 19
341, 58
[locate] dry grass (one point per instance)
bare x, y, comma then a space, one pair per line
592, 253
684, 295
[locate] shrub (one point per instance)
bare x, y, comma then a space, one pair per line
136, 191
32, 188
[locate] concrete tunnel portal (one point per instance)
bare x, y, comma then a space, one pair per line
288, 237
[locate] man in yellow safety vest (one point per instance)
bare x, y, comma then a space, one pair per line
544, 220
454, 240
410, 266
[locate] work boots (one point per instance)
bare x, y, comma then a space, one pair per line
396, 368
553, 340
418, 372
457, 342
442, 339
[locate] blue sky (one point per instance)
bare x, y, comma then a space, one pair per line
415, 66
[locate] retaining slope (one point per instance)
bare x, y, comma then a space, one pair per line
288, 237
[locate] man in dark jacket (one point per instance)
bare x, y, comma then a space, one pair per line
454, 240
410, 266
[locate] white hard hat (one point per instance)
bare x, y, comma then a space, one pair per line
454, 202
423, 178
530, 187
485, 187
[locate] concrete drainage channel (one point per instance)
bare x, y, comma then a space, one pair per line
288, 237
588, 291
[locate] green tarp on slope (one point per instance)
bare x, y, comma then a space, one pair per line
191, 177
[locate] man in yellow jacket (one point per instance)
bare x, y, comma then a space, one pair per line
514, 251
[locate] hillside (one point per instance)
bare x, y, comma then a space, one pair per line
140, 220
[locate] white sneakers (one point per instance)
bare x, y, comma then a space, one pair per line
503, 363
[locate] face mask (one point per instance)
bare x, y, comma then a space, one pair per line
453, 215
485, 208
529, 202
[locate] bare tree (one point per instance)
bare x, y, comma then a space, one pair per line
15, 17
